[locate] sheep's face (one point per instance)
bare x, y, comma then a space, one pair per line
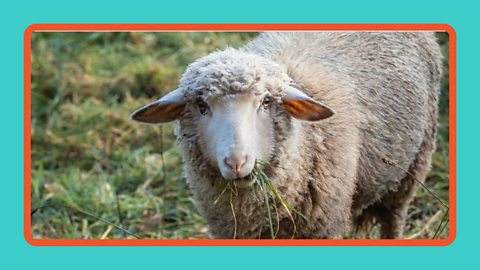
235, 130
230, 100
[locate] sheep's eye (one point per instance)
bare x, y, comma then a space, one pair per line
266, 101
202, 106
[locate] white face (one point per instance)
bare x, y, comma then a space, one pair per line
237, 130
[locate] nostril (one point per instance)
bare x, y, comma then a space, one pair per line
244, 160
226, 161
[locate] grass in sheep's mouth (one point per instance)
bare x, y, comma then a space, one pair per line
263, 191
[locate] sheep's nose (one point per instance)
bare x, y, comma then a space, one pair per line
236, 163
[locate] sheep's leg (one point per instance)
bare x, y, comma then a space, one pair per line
364, 222
392, 210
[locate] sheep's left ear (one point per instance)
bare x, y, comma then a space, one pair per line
164, 110
303, 107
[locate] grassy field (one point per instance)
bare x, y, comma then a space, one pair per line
87, 154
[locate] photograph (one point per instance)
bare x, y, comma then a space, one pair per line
168, 135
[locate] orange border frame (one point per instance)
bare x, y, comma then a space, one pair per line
238, 27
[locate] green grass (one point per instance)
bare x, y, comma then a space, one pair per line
263, 191
87, 154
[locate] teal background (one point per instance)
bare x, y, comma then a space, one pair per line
16, 253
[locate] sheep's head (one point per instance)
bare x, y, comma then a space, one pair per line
231, 100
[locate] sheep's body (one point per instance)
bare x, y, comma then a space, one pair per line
383, 88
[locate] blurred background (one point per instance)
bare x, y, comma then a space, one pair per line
86, 153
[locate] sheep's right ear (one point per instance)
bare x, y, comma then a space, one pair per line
303, 107
164, 110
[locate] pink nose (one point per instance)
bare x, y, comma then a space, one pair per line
236, 163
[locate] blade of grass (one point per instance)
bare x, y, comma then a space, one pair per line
437, 232
440, 226
221, 194
270, 192
234, 216
119, 212
393, 163
267, 206
85, 213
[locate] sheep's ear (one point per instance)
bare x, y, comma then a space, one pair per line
166, 109
301, 106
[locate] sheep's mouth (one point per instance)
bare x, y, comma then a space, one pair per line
245, 181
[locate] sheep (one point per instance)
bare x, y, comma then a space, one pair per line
323, 109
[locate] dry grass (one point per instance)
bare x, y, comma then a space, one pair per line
265, 192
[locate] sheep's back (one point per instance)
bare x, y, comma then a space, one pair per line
384, 83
